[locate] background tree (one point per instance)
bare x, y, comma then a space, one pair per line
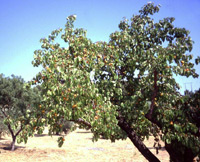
16, 106
3, 128
123, 88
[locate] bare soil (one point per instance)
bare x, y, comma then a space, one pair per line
78, 147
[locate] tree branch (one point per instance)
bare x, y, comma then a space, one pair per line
82, 121
136, 140
4, 113
150, 112
152, 106
10, 129
19, 131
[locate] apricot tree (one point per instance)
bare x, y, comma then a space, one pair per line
124, 87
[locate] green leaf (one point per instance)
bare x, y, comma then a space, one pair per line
168, 141
197, 60
177, 127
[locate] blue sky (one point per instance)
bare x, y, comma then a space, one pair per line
24, 22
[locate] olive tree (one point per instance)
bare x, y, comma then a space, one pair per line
121, 88
3, 128
16, 107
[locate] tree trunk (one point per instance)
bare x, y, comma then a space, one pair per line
136, 141
186, 156
13, 143
13, 136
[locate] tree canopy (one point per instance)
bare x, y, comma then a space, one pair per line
121, 88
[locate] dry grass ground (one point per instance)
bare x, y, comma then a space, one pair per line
78, 147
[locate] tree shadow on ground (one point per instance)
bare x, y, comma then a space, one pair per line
7, 146
44, 135
161, 149
40, 135
83, 132
1, 139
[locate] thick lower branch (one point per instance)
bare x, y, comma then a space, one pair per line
136, 141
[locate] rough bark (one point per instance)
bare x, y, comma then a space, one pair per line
136, 141
186, 156
13, 143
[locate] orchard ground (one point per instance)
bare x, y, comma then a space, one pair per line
78, 147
